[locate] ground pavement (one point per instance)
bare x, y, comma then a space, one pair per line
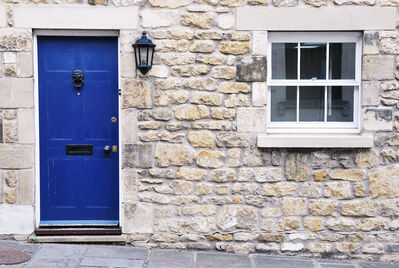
81, 255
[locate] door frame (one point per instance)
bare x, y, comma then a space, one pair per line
70, 33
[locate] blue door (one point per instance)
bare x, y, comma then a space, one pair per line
79, 180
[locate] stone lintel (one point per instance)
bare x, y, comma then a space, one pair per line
75, 17
323, 19
3, 16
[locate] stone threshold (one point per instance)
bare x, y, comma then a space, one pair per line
119, 239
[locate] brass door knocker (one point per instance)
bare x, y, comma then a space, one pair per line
78, 78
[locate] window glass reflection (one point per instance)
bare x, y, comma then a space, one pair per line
284, 60
283, 103
311, 103
313, 61
340, 104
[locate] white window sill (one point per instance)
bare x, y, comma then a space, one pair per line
365, 140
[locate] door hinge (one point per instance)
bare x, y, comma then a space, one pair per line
120, 91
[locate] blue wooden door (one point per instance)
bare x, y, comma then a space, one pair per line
79, 181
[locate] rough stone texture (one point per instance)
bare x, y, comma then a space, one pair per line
251, 69
192, 174
137, 94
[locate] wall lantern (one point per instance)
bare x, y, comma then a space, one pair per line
144, 53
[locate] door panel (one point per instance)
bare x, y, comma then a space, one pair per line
78, 189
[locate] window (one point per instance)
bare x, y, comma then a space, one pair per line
314, 82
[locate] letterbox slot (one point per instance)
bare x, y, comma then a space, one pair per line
79, 149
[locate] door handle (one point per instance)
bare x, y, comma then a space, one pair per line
107, 149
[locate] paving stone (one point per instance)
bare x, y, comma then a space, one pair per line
20, 246
220, 260
117, 252
336, 264
53, 255
111, 262
283, 262
170, 258
378, 265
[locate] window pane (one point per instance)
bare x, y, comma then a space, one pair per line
313, 61
284, 60
340, 104
342, 61
311, 103
283, 104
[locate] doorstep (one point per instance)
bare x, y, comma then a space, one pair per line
120, 239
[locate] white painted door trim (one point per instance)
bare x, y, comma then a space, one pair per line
37, 33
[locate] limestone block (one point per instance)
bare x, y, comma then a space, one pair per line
172, 59
237, 217
234, 87
212, 59
251, 69
200, 139
371, 43
383, 182
259, 43
203, 188
323, 207
202, 21
340, 224
296, 167
26, 189
259, 94
251, 120
129, 123
225, 22
363, 208
293, 206
10, 130
172, 155
9, 57
340, 190
378, 67
258, 2
370, 93
129, 185
169, 3
16, 156
355, 2
171, 98
222, 113
235, 48
137, 155
17, 219
157, 18
311, 189
24, 64
10, 195
223, 72
313, 224
316, 3
205, 98
16, 93
390, 207
287, 224
349, 175
202, 46
377, 119
138, 218
128, 65
26, 131
279, 189
237, 100
285, 3
191, 112
213, 125
210, 159
263, 174
190, 174
222, 175
15, 39
136, 94
230, 140
205, 84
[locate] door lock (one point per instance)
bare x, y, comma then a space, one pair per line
107, 149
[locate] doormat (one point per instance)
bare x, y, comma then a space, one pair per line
12, 256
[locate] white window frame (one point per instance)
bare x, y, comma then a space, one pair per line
316, 127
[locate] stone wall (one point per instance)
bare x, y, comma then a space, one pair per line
192, 174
